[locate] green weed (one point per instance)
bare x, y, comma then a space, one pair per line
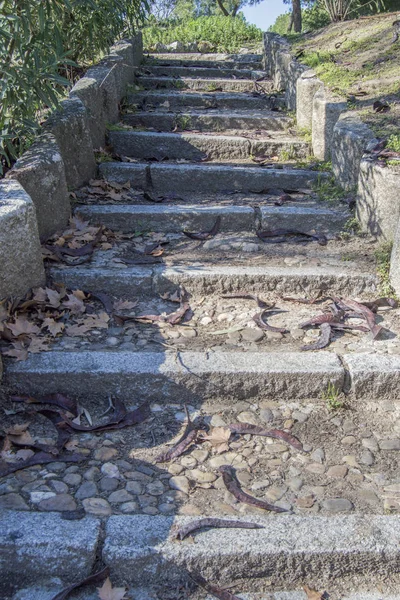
328, 190
287, 154
352, 226
182, 122
394, 142
332, 397
118, 127
102, 157
226, 34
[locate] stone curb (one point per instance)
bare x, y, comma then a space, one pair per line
174, 219
286, 551
225, 85
190, 178
374, 376
36, 546
208, 72
196, 376
218, 280
182, 100
148, 144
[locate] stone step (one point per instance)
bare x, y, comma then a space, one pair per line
290, 551
196, 146
196, 376
350, 556
229, 61
209, 120
206, 279
182, 178
175, 100
204, 84
195, 217
209, 72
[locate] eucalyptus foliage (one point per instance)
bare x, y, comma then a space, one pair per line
40, 42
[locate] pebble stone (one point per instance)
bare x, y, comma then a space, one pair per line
120, 496
97, 506
105, 453
93, 473
72, 479
86, 490
248, 417
129, 507
108, 484
337, 471
13, 501
58, 503
390, 444
367, 458
336, 505
181, 483
110, 470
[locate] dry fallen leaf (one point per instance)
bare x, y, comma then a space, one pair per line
53, 326
219, 438
312, 594
19, 352
74, 304
107, 592
124, 304
17, 429
22, 326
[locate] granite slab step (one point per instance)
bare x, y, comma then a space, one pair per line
194, 217
196, 146
193, 71
247, 61
186, 178
159, 376
176, 100
209, 120
205, 84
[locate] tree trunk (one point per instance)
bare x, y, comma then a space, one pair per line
296, 8
222, 7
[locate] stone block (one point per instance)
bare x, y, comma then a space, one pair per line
287, 550
93, 97
105, 77
41, 172
350, 138
36, 546
21, 264
374, 376
378, 207
70, 126
295, 70
234, 375
306, 87
326, 112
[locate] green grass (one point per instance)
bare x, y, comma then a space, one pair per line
328, 190
183, 122
332, 397
394, 142
225, 34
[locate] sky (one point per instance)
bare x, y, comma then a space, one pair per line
264, 14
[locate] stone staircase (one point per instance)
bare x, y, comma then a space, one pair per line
195, 133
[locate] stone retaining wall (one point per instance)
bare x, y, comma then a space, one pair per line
340, 136
34, 196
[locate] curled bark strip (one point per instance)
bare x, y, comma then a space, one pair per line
343, 326
187, 439
234, 488
205, 235
324, 318
246, 296
259, 320
244, 428
212, 589
381, 302
133, 417
323, 339
366, 314
105, 300
185, 530
56, 399
91, 580
173, 318
40, 458
276, 236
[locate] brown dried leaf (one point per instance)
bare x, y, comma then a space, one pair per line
312, 594
124, 304
54, 297
17, 429
24, 454
19, 352
38, 345
78, 223
107, 592
53, 326
219, 438
74, 304
22, 326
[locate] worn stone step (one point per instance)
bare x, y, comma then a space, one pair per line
175, 100
204, 279
205, 84
194, 146
209, 72
230, 61
36, 546
48, 592
181, 178
210, 120
290, 551
195, 217
194, 377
